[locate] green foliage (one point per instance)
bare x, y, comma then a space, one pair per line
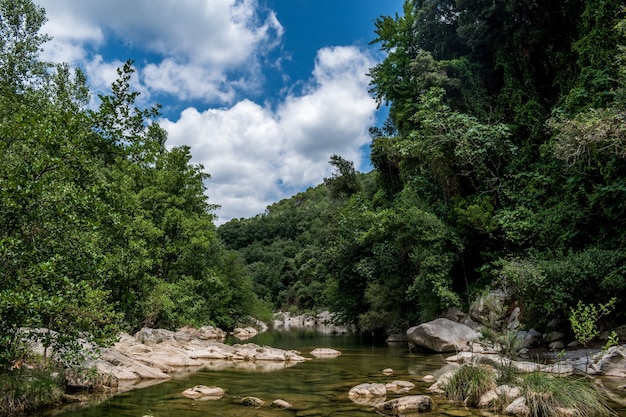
584, 319
25, 391
546, 395
469, 383
102, 227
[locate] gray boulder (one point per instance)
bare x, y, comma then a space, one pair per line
442, 335
406, 405
612, 362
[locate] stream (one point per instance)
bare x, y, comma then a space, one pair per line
317, 387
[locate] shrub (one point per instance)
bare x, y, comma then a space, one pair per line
547, 396
469, 383
28, 390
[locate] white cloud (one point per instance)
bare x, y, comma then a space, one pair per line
256, 155
189, 37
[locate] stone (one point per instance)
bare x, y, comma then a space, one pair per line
528, 339
513, 321
507, 391
368, 390
202, 392
553, 336
442, 335
252, 402
406, 405
399, 386
428, 378
244, 333
518, 408
489, 308
325, 352
281, 404
612, 362
556, 345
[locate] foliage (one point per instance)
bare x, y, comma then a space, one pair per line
102, 226
25, 391
584, 319
546, 395
469, 383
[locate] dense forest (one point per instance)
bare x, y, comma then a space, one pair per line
501, 164
102, 227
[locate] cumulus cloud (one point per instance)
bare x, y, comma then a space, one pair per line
189, 37
257, 155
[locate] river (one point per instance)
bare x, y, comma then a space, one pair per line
318, 387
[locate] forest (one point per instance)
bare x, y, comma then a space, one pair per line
502, 163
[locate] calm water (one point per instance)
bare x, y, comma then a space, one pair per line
318, 387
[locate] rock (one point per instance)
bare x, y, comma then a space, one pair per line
507, 391
528, 339
281, 404
388, 371
612, 362
244, 333
437, 387
556, 345
406, 405
455, 314
442, 335
399, 386
149, 336
252, 402
553, 336
428, 378
325, 352
368, 390
202, 392
513, 321
489, 308
518, 408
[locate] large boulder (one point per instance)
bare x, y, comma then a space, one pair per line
442, 335
612, 362
406, 405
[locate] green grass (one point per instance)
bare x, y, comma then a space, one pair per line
469, 383
28, 390
545, 394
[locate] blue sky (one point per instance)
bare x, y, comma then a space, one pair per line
264, 91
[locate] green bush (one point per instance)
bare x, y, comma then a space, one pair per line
547, 395
28, 390
469, 383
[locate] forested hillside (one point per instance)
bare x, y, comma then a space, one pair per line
502, 163
102, 227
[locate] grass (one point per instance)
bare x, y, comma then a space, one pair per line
469, 383
547, 395
28, 390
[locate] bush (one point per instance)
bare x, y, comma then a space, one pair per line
469, 383
547, 395
28, 390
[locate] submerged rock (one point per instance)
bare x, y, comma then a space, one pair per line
325, 352
202, 392
406, 405
281, 404
252, 402
368, 390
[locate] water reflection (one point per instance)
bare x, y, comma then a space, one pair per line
316, 387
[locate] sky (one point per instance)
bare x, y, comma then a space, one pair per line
263, 91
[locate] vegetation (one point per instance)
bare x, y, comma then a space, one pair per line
102, 227
469, 383
547, 396
501, 164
